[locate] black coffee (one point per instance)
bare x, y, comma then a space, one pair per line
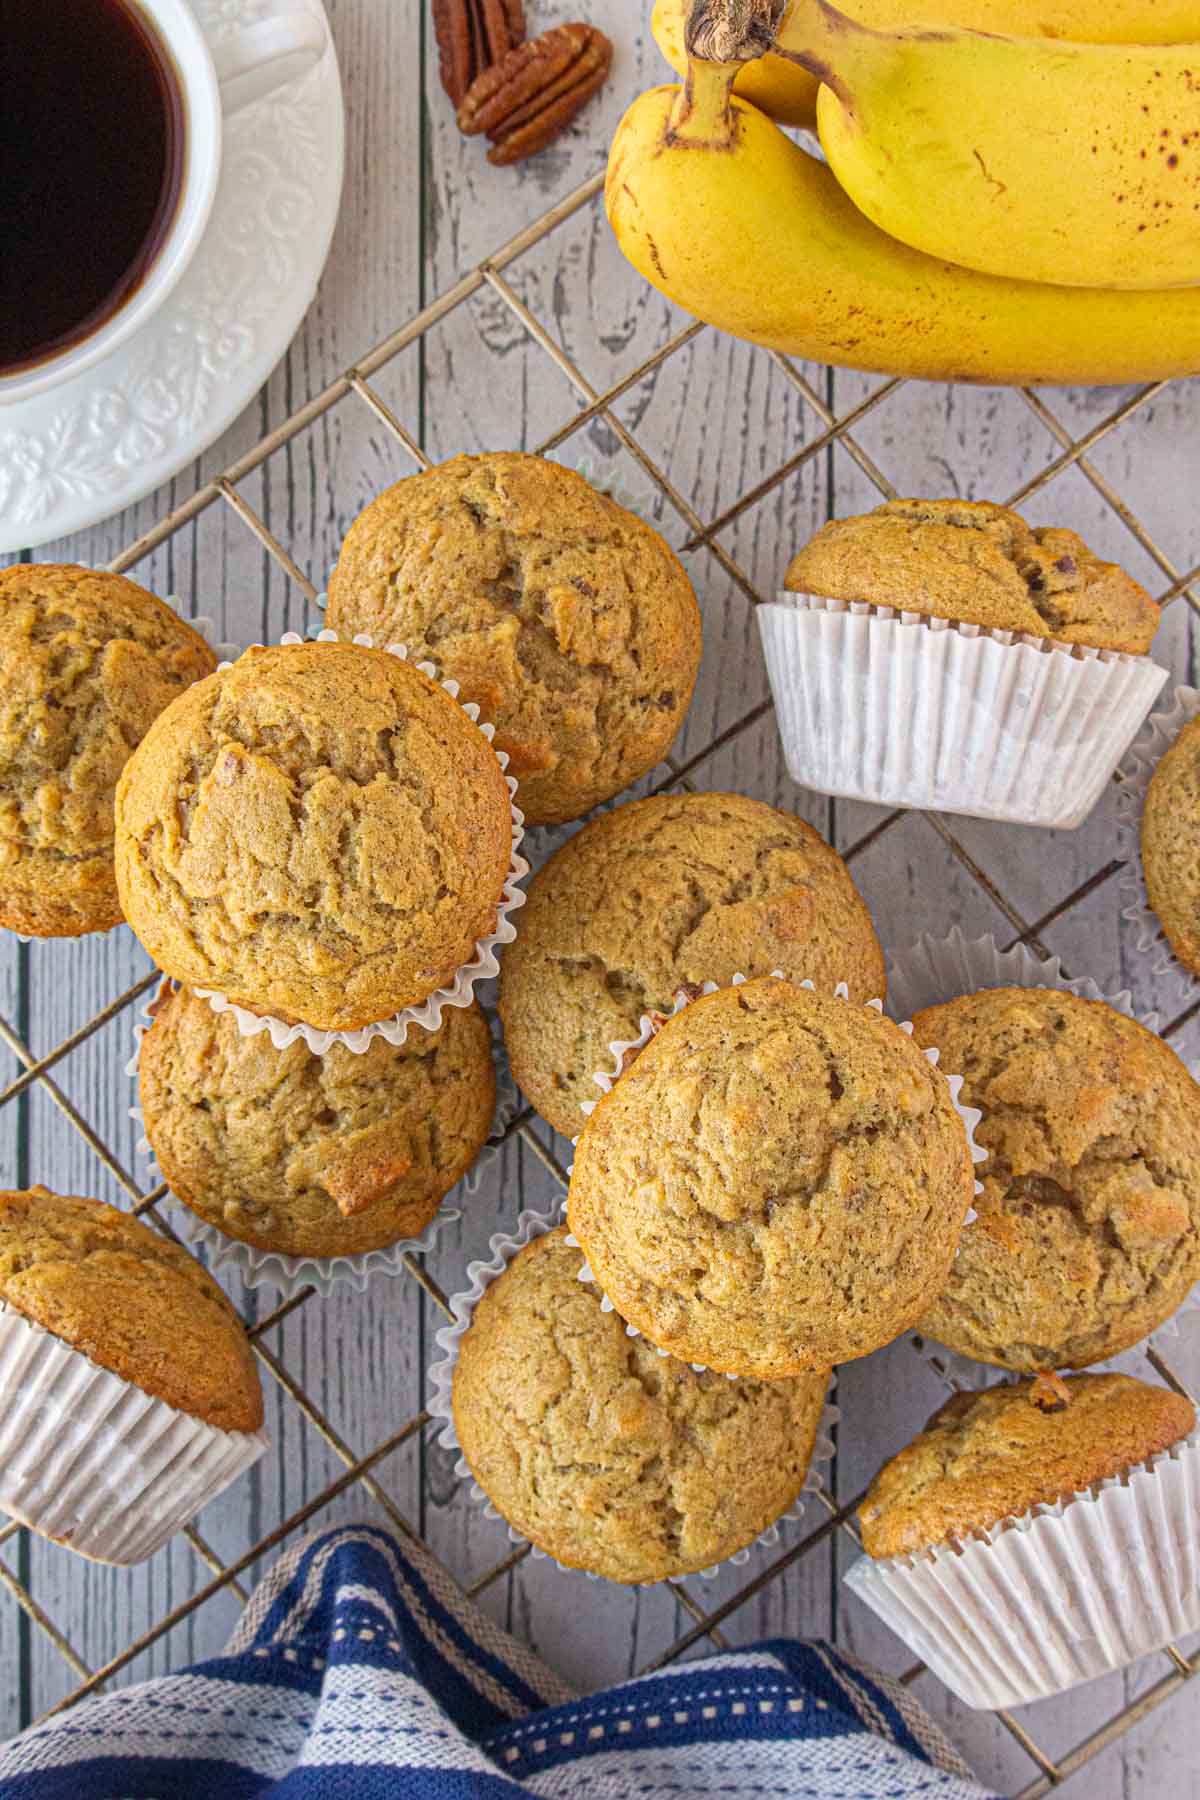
91, 163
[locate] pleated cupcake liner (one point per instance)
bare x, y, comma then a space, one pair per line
936, 969
904, 710
504, 1246
1134, 776
625, 1050
483, 966
207, 629
1054, 1597
94, 1462
288, 1275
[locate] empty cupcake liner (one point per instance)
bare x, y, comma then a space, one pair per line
624, 1050
1134, 777
905, 710
94, 1462
937, 969
289, 1274
1060, 1595
504, 1246
208, 631
483, 965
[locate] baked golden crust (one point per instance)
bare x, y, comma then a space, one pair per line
777, 1183
318, 832
1088, 1228
568, 620
993, 1455
309, 1155
607, 1455
979, 564
1171, 845
87, 661
678, 889
132, 1301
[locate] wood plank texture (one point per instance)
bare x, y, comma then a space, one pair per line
421, 205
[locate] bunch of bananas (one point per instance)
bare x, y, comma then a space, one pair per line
998, 204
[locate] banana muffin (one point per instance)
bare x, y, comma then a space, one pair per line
1171, 845
1088, 1228
675, 890
130, 1300
980, 564
313, 1155
776, 1183
996, 1454
567, 619
607, 1455
318, 832
88, 661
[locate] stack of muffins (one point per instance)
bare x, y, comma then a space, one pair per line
317, 845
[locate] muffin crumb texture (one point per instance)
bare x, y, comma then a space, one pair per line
318, 832
133, 1302
1088, 1229
777, 1183
569, 620
88, 660
1171, 845
607, 1455
674, 890
977, 563
994, 1455
306, 1155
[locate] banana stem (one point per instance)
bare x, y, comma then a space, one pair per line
732, 31
702, 117
835, 49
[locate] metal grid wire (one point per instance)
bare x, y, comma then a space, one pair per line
1074, 452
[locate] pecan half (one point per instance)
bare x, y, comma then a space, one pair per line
471, 36
524, 101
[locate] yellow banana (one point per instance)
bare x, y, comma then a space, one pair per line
719, 209
1071, 163
788, 92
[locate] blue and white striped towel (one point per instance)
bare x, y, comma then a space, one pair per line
360, 1670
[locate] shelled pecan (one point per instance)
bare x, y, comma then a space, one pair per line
471, 36
534, 92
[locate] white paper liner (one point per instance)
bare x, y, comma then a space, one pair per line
94, 1462
937, 969
504, 1247
207, 629
1058, 1596
1134, 776
288, 1275
606, 1080
483, 965
905, 710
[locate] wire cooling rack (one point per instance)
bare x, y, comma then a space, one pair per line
1176, 1668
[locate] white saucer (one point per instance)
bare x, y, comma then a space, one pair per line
94, 445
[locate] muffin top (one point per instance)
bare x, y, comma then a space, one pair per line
978, 564
1088, 1228
313, 1155
1171, 845
776, 1183
607, 1455
132, 1301
569, 620
317, 832
681, 889
87, 661
994, 1455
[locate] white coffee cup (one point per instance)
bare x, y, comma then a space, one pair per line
250, 63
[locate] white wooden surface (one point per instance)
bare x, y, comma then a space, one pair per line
420, 206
